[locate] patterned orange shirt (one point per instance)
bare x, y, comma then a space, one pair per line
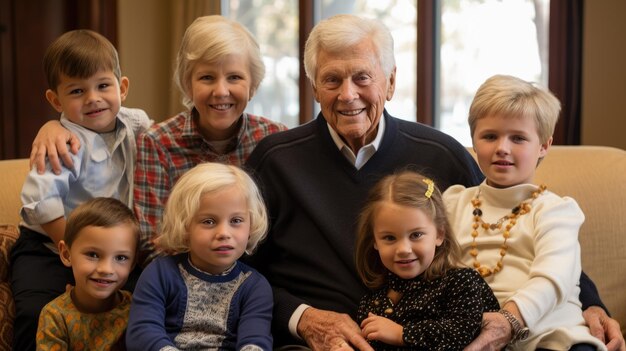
63, 327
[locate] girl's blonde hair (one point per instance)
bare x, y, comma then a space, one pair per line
184, 202
510, 96
211, 39
411, 189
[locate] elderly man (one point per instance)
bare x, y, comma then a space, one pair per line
315, 178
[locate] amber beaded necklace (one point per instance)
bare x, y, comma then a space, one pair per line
517, 211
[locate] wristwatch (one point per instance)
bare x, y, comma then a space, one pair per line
518, 333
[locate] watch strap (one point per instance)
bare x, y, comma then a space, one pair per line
517, 331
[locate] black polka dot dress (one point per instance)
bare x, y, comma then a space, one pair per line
441, 314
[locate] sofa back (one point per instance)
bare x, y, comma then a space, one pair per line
595, 177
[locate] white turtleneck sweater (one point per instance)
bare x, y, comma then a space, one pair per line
541, 266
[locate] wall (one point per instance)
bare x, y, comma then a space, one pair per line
604, 74
144, 46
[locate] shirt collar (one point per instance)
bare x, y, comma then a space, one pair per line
364, 153
375, 143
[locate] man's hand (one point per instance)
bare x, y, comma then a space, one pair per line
604, 328
382, 329
51, 141
326, 330
495, 333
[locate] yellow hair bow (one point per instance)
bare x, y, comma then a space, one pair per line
431, 187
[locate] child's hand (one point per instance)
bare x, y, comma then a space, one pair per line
382, 329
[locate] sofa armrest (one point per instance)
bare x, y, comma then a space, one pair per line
8, 236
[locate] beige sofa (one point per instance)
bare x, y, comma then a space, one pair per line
595, 176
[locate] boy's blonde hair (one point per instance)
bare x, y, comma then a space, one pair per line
410, 189
100, 212
210, 39
80, 54
509, 96
184, 202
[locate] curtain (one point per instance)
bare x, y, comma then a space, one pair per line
565, 73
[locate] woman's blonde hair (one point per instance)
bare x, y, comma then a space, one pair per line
411, 189
211, 39
510, 96
184, 202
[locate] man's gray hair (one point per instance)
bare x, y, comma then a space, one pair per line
341, 32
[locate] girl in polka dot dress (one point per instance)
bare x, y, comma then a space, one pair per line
408, 256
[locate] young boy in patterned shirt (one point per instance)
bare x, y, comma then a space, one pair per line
100, 245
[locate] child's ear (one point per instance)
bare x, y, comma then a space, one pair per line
441, 235
53, 99
64, 253
124, 84
544, 148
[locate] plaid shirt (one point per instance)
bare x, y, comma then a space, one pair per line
168, 149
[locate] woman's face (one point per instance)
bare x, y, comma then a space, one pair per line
220, 91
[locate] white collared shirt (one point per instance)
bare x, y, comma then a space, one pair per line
364, 153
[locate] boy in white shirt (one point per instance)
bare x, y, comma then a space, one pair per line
520, 237
86, 86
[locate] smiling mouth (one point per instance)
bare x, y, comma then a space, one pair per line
103, 281
95, 112
222, 107
351, 112
503, 163
406, 261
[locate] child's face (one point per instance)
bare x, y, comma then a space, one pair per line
220, 92
406, 239
92, 102
219, 231
101, 260
508, 149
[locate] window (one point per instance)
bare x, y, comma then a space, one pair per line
275, 26
480, 38
477, 38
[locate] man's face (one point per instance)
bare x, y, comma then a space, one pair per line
351, 88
